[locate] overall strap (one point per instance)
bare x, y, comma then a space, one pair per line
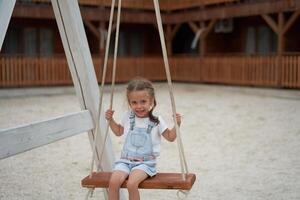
150, 126
132, 123
132, 120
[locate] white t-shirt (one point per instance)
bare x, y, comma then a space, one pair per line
143, 123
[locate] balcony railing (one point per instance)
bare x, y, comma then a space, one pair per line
265, 71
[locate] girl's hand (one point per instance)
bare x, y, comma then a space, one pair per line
178, 119
170, 134
109, 114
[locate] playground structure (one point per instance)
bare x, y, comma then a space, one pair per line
20, 139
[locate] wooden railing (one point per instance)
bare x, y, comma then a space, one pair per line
24, 71
266, 71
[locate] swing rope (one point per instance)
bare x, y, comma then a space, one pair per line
113, 75
183, 163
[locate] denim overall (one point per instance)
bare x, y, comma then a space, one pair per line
137, 152
138, 143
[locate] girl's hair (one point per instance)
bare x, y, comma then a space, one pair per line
139, 84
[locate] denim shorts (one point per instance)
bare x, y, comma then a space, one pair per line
127, 166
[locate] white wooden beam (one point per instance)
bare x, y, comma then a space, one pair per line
23, 138
79, 59
6, 9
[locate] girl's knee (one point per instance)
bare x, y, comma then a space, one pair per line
114, 183
132, 185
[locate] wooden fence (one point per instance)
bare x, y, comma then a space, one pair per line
265, 71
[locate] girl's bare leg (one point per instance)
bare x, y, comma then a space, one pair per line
115, 182
135, 178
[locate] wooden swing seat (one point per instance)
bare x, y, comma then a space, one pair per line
159, 181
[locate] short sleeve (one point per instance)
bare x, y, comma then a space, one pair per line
162, 126
125, 119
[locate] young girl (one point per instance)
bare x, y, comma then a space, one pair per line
142, 131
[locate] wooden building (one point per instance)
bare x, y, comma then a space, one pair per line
236, 42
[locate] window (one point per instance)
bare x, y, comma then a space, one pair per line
260, 40
29, 42
130, 44
250, 41
12, 41
136, 44
46, 42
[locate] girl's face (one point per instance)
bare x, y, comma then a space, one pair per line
140, 102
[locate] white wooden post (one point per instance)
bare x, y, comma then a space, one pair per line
6, 9
80, 63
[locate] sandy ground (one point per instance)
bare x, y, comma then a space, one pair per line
242, 143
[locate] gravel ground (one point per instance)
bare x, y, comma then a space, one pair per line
242, 143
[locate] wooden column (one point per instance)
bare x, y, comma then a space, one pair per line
281, 41
202, 46
99, 32
92, 28
280, 47
275, 27
103, 33
204, 35
202, 41
195, 28
170, 34
169, 40
281, 28
205, 30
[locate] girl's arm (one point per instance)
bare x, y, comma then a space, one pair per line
170, 134
116, 128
